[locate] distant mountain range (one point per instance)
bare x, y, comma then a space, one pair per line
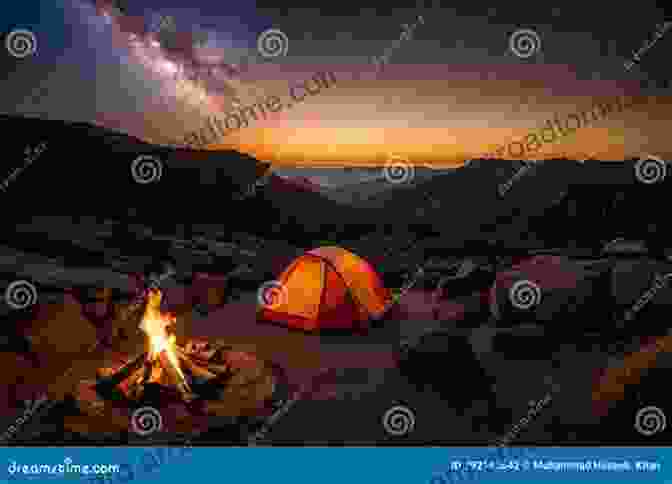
85, 170
88, 170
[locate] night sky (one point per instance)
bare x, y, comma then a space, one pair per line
450, 91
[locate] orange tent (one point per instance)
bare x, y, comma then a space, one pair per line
327, 288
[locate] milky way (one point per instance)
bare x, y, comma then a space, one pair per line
191, 64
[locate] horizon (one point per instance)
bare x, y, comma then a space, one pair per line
416, 164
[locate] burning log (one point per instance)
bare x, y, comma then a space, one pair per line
196, 370
164, 374
111, 378
164, 359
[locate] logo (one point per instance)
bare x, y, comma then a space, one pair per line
20, 295
272, 295
650, 169
31, 406
525, 295
399, 420
272, 43
21, 43
146, 169
524, 43
146, 421
650, 421
398, 170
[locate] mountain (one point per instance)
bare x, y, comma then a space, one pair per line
557, 203
85, 171
361, 193
308, 212
88, 170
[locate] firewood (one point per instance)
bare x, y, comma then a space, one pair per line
192, 359
219, 369
198, 350
220, 355
105, 372
196, 370
128, 383
122, 373
135, 390
243, 376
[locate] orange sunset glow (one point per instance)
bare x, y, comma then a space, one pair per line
442, 123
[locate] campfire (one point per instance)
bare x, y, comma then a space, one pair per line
202, 377
186, 384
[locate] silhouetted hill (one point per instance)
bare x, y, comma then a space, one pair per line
87, 170
364, 193
558, 203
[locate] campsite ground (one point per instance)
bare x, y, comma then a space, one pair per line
353, 412
363, 382
352, 380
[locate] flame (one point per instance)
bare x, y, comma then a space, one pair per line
155, 324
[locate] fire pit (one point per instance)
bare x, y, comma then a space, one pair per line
182, 386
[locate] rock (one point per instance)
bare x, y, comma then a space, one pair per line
447, 364
61, 332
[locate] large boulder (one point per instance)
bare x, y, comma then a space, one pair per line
446, 363
546, 289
